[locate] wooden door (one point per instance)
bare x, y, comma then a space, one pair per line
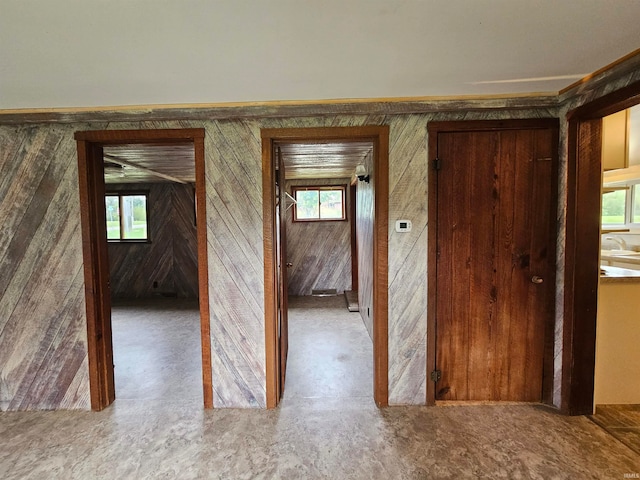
354, 237
494, 263
283, 280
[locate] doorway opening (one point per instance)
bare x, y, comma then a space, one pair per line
297, 145
582, 246
123, 210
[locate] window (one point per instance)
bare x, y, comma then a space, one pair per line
635, 209
621, 206
614, 206
314, 203
126, 216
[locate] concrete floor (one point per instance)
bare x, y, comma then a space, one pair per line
330, 352
326, 427
156, 350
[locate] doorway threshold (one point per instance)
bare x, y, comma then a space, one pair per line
327, 292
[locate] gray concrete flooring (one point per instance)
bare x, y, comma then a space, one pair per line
157, 350
326, 427
330, 352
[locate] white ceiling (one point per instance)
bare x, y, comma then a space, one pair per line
87, 53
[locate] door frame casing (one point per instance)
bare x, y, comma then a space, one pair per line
379, 136
96, 263
433, 129
582, 246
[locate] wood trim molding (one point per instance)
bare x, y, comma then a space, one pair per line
381, 268
270, 272
117, 137
96, 275
614, 102
280, 109
433, 129
203, 270
489, 125
582, 246
432, 251
379, 135
96, 264
617, 67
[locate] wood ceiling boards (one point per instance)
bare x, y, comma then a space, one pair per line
149, 163
323, 159
157, 163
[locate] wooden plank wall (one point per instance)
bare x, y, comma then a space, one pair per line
407, 252
408, 171
319, 251
234, 229
171, 259
42, 319
236, 268
43, 344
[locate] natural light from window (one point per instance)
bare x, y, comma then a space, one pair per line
126, 216
319, 203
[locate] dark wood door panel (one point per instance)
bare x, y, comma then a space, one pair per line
283, 277
494, 243
462, 251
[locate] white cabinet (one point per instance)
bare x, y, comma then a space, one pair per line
614, 141
617, 379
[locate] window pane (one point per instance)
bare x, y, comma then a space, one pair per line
113, 217
308, 204
331, 204
134, 217
636, 204
613, 207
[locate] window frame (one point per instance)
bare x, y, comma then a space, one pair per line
631, 190
128, 193
631, 203
627, 206
340, 187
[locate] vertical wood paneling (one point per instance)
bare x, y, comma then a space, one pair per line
491, 317
319, 251
43, 346
171, 259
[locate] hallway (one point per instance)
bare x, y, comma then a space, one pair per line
327, 426
330, 352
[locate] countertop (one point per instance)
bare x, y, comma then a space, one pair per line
618, 275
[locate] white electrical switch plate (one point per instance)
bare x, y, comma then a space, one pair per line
403, 225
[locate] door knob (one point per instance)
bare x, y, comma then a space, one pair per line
289, 264
537, 280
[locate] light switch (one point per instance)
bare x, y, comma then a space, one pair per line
403, 225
